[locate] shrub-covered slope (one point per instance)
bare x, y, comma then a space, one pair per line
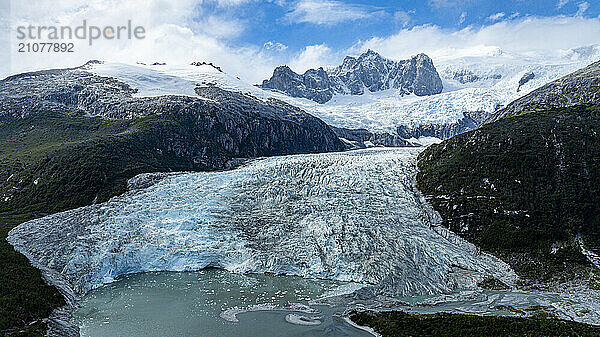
525, 188
397, 323
69, 138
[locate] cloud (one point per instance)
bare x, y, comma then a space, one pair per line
218, 26
438, 4
462, 18
514, 15
176, 32
230, 3
327, 12
403, 17
541, 35
496, 17
561, 3
312, 57
275, 46
581, 8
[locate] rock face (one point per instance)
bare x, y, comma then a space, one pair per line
465, 76
369, 71
313, 84
526, 78
362, 138
351, 216
582, 86
470, 121
91, 158
240, 123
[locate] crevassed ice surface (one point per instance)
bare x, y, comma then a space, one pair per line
353, 216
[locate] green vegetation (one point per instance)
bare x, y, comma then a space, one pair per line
398, 323
50, 163
24, 296
525, 188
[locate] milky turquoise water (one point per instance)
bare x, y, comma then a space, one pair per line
191, 304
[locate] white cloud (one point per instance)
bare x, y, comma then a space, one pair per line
219, 27
230, 3
441, 3
561, 3
403, 17
544, 35
514, 15
582, 8
312, 57
275, 46
327, 12
462, 18
496, 17
447, 3
176, 32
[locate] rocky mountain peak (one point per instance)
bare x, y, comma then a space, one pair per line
369, 71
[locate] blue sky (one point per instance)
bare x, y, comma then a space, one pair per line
248, 38
339, 24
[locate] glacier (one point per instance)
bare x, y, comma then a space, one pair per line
350, 216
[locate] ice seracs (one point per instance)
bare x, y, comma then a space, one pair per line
353, 216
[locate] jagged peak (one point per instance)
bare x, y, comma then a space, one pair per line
369, 71
370, 52
204, 63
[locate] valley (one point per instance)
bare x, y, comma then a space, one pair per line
410, 206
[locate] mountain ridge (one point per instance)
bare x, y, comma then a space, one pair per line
369, 71
579, 87
524, 185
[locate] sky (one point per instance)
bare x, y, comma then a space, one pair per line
248, 38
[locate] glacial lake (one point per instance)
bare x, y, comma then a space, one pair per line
215, 302
192, 303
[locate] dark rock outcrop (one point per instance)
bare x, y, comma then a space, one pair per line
244, 125
470, 121
528, 76
360, 138
465, 76
313, 84
369, 71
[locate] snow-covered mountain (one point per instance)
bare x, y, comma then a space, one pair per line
473, 88
367, 72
